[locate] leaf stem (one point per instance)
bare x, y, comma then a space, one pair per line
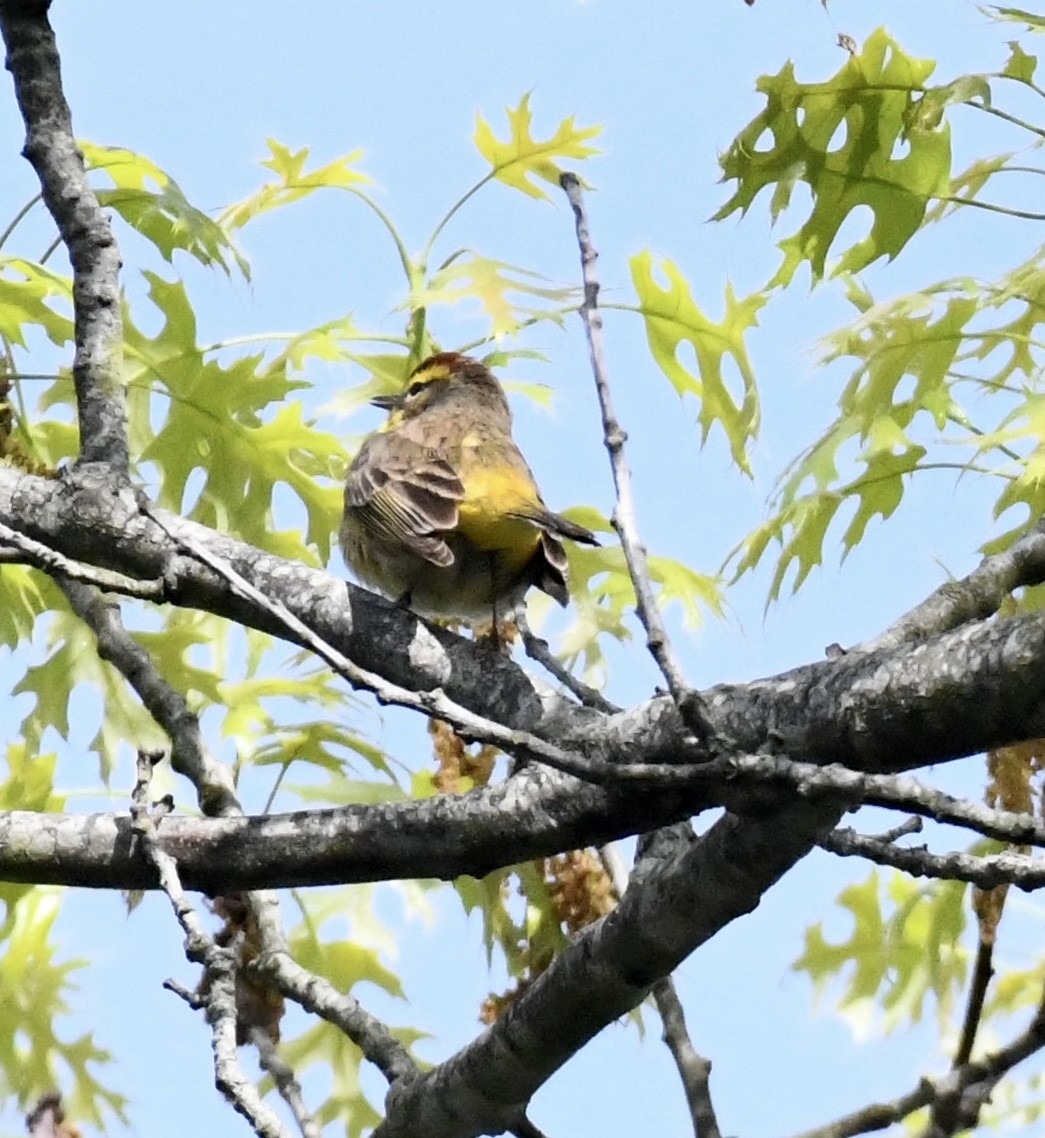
18, 217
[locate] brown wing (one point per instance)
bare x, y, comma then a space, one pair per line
403, 492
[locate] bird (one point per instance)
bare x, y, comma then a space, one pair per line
442, 513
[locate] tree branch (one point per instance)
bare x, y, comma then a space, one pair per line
974, 597
50, 146
941, 1093
219, 965
276, 967
978, 686
607, 970
986, 872
689, 703
189, 754
693, 1068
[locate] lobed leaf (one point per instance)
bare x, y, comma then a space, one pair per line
521, 158
293, 182
673, 319
150, 201
875, 103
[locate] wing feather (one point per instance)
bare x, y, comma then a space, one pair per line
403, 492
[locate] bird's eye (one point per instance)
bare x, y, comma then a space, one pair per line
415, 388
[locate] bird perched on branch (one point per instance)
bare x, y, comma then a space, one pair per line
442, 512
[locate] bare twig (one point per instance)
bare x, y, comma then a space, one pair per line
50, 146
959, 1087
974, 597
690, 704
219, 965
912, 825
896, 792
981, 978
277, 968
537, 649
694, 1069
27, 551
285, 1083
997, 869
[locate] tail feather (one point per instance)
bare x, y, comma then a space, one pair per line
556, 524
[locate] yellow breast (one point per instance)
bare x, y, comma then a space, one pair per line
491, 495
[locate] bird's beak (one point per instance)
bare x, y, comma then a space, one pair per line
387, 402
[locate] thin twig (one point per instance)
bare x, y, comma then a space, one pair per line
960, 1083
895, 792
217, 798
975, 597
694, 1070
981, 978
537, 649
434, 703
986, 872
25, 550
219, 965
286, 1084
276, 967
912, 825
690, 704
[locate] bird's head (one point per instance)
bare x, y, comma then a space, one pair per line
434, 380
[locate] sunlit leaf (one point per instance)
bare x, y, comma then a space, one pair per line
28, 293
673, 321
872, 103
293, 182
521, 158
149, 199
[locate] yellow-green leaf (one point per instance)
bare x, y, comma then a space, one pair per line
521, 158
674, 319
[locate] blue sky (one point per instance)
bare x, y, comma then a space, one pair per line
198, 88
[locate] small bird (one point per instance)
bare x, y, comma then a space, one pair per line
442, 513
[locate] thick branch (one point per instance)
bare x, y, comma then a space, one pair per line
979, 686
604, 973
32, 59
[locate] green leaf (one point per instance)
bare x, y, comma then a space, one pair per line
903, 947
603, 597
293, 183
521, 158
872, 101
470, 276
1033, 21
25, 594
34, 1058
673, 320
26, 293
218, 423
74, 661
1020, 65
30, 781
149, 199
